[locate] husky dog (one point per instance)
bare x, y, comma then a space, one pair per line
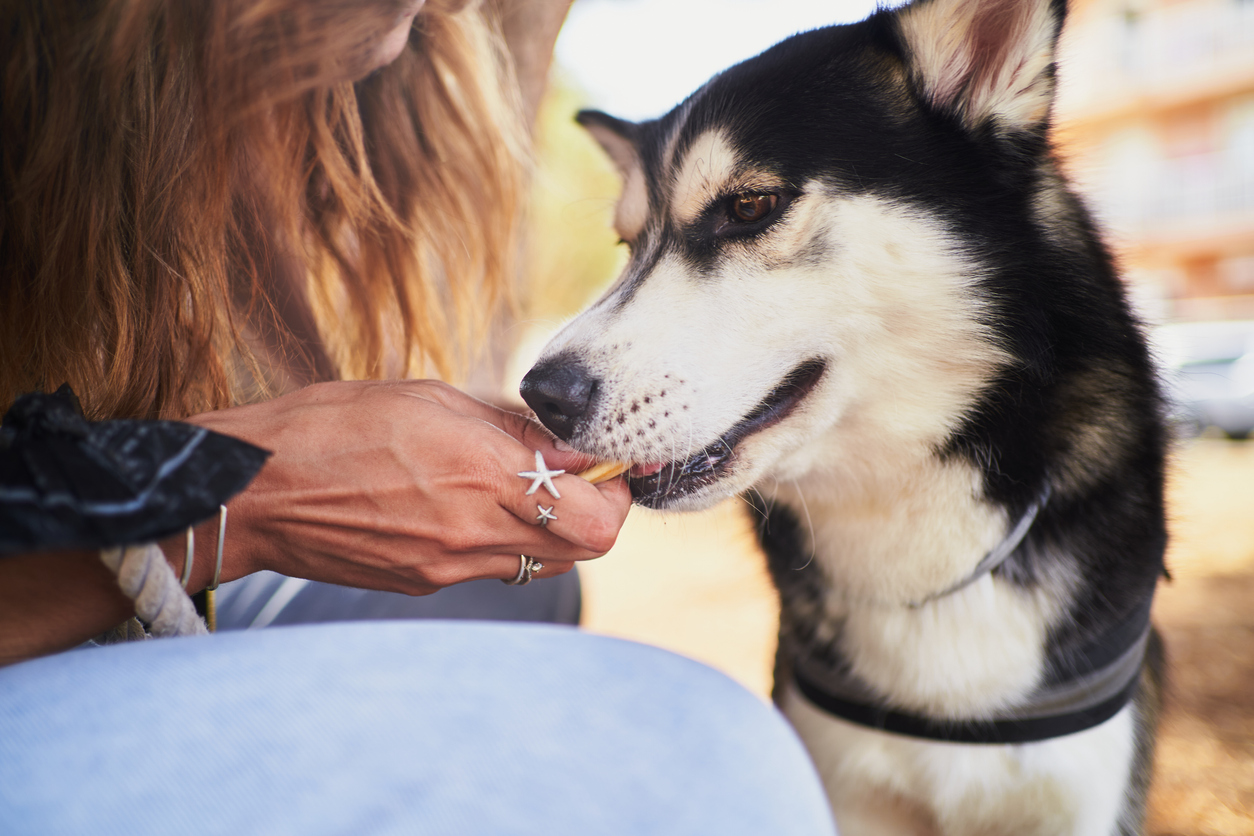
861, 294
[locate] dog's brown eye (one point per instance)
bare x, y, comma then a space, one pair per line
749, 208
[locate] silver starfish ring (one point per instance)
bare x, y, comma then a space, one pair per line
545, 514
542, 476
528, 567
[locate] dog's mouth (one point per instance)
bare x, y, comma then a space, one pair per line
655, 485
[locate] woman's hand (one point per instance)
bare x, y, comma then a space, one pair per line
405, 486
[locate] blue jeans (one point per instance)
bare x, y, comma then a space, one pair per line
414, 727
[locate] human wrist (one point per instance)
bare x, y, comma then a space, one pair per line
206, 538
249, 544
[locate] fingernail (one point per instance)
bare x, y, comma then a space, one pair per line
562, 446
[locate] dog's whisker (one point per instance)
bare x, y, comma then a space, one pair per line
805, 507
759, 505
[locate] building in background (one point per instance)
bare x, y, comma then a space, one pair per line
1156, 122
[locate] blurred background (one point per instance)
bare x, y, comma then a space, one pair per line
1155, 123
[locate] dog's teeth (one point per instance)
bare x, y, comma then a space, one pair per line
647, 469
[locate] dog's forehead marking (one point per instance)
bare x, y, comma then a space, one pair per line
708, 165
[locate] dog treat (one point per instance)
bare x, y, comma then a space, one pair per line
604, 471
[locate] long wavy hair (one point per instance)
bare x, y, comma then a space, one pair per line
202, 203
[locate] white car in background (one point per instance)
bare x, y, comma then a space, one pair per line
1209, 368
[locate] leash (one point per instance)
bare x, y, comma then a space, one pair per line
1001, 552
1096, 682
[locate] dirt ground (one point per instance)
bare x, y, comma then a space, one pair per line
696, 585
1204, 781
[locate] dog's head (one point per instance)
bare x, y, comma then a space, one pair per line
816, 240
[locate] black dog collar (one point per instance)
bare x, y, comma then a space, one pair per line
1100, 681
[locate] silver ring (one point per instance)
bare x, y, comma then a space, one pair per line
542, 476
527, 566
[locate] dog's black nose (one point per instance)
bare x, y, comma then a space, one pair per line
561, 392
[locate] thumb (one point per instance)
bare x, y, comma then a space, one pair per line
535, 436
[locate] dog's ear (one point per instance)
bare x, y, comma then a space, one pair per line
616, 136
989, 62
620, 140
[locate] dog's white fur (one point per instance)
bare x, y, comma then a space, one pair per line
888, 302
888, 785
890, 523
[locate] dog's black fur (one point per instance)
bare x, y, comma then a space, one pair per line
1079, 409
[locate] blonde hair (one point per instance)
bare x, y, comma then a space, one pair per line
198, 199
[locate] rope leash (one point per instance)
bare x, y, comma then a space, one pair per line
146, 578
161, 599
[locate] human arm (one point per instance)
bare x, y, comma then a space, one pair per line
53, 601
405, 486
